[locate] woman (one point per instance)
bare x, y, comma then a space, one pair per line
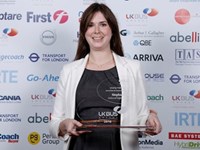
100, 89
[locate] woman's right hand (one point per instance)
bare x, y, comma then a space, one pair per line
69, 126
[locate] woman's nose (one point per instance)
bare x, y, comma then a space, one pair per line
97, 29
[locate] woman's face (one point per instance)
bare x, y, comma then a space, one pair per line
98, 33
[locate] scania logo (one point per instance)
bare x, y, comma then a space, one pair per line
12, 98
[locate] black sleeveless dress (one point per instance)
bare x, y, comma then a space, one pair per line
98, 101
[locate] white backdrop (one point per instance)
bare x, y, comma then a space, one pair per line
37, 37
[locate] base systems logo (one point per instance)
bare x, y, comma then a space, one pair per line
184, 136
187, 56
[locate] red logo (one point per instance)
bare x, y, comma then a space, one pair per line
184, 136
61, 16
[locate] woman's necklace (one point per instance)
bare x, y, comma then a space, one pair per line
100, 65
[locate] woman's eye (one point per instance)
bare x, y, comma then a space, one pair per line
103, 24
90, 25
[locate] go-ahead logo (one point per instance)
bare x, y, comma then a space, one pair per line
60, 16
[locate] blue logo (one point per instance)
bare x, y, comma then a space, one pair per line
175, 78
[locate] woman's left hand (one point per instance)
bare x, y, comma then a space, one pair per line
153, 122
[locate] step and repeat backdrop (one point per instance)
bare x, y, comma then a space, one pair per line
37, 37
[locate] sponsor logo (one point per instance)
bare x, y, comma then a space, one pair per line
48, 37
135, 19
142, 43
8, 76
45, 78
155, 98
187, 145
39, 119
150, 11
187, 79
34, 57
156, 77
195, 93
34, 138
10, 16
191, 79
187, 56
150, 142
10, 31
187, 119
184, 136
11, 58
182, 16
148, 57
10, 138
194, 37
54, 58
48, 139
59, 16
124, 32
182, 99
10, 99
13, 118
44, 99
175, 78
155, 34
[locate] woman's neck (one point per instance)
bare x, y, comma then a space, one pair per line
99, 60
